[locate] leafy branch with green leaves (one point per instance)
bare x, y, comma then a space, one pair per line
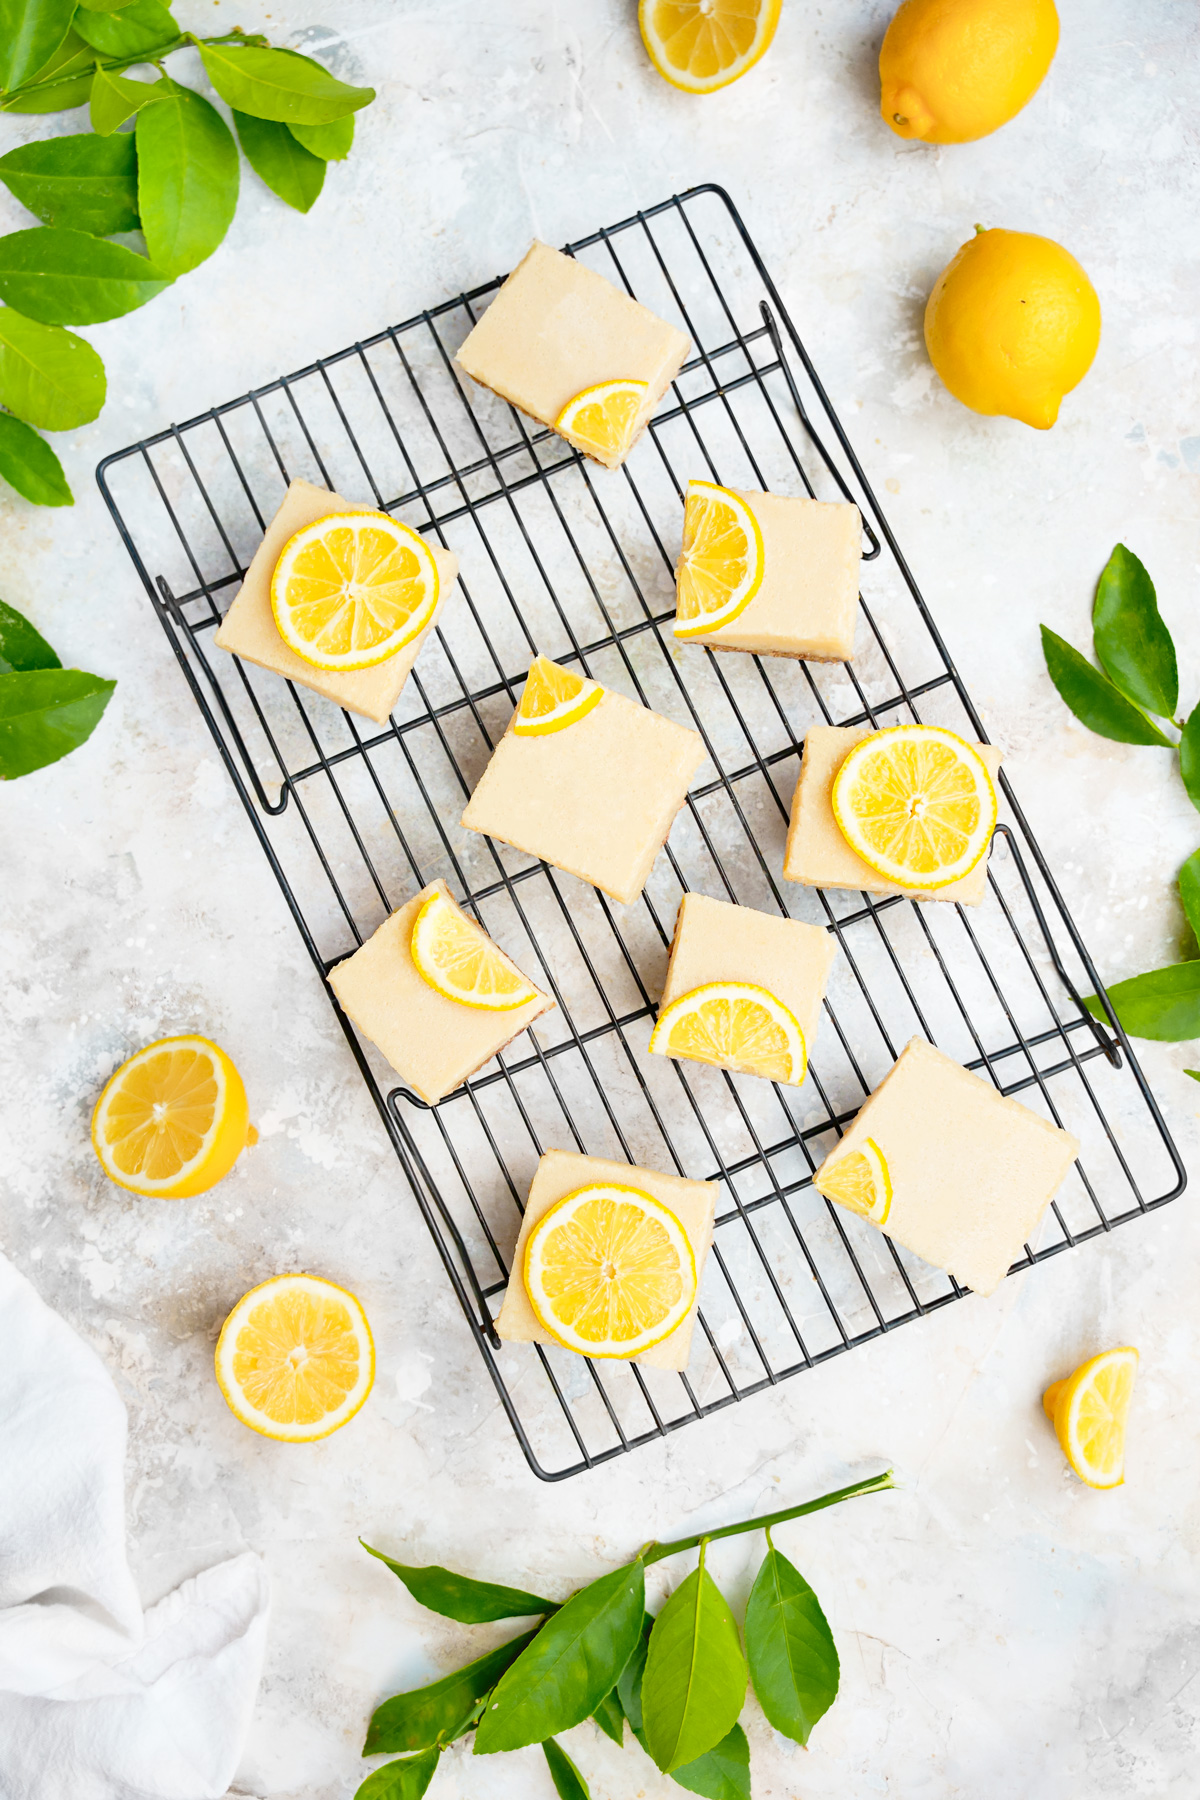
1132, 698
46, 711
159, 159
679, 1680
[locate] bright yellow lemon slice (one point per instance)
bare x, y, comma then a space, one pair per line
720, 567
917, 803
457, 958
1089, 1411
352, 589
552, 698
736, 1025
610, 1271
295, 1359
701, 45
858, 1180
173, 1119
603, 420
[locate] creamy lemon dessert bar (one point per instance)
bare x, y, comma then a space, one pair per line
431, 1040
249, 629
563, 1172
556, 331
952, 1169
818, 855
594, 794
724, 949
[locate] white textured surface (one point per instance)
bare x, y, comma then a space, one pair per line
1002, 1630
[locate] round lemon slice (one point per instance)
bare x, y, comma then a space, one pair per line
173, 1120
720, 567
858, 1180
295, 1358
352, 589
701, 45
552, 698
1089, 1411
603, 419
736, 1025
460, 960
609, 1271
916, 802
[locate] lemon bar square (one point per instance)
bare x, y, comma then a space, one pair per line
432, 1042
557, 328
249, 630
807, 602
818, 855
563, 1172
717, 941
596, 798
972, 1171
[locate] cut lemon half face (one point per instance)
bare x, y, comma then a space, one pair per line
609, 1271
603, 420
1089, 1411
458, 959
352, 589
701, 45
295, 1358
552, 698
736, 1025
173, 1120
859, 1181
720, 567
916, 802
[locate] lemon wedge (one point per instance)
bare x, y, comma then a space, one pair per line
603, 420
916, 802
1089, 1411
173, 1120
609, 1271
552, 698
736, 1025
352, 589
295, 1359
701, 45
858, 1180
720, 567
458, 958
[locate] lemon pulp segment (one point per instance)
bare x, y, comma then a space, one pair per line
916, 802
352, 589
295, 1359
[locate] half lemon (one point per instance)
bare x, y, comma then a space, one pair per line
552, 698
701, 45
602, 421
295, 1359
735, 1025
352, 589
721, 564
858, 1180
917, 803
173, 1120
1089, 1411
459, 960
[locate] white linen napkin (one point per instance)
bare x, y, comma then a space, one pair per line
99, 1701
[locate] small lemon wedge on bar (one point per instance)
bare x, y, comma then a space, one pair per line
602, 420
295, 1359
917, 803
734, 1025
858, 1180
1089, 1411
553, 698
459, 960
721, 564
173, 1120
352, 589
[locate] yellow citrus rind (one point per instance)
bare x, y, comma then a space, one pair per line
722, 562
859, 1180
172, 1120
1089, 1412
702, 45
917, 803
553, 698
352, 589
734, 1025
295, 1359
603, 420
459, 960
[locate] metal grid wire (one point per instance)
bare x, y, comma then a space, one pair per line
564, 557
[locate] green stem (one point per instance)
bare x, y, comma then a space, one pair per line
875, 1485
182, 42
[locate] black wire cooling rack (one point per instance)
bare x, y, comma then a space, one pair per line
561, 556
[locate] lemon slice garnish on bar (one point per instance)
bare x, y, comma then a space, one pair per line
917, 803
458, 959
553, 698
720, 567
352, 589
858, 1180
602, 420
734, 1025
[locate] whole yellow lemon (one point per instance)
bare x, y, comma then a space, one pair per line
953, 70
1012, 325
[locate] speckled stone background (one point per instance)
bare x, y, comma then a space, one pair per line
1002, 1630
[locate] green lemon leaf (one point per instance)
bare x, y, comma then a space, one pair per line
115, 99
330, 142
30, 32
28, 464
1092, 697
629, 1685
695, 1680
45, 714
1132, 642
104, 5
459, 1597
1163, 1004
1189, 891
1194, 1073
270, 84
406, 1780
288, 169
187, 179
84, 182
68, 278
48, 376
1189, 757
610, 1718
568, 1782
722, 1773
143, 28
445, 1709
574, 1661
21, 647
790, 1648
64, 82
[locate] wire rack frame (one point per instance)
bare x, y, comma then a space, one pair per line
558, 555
